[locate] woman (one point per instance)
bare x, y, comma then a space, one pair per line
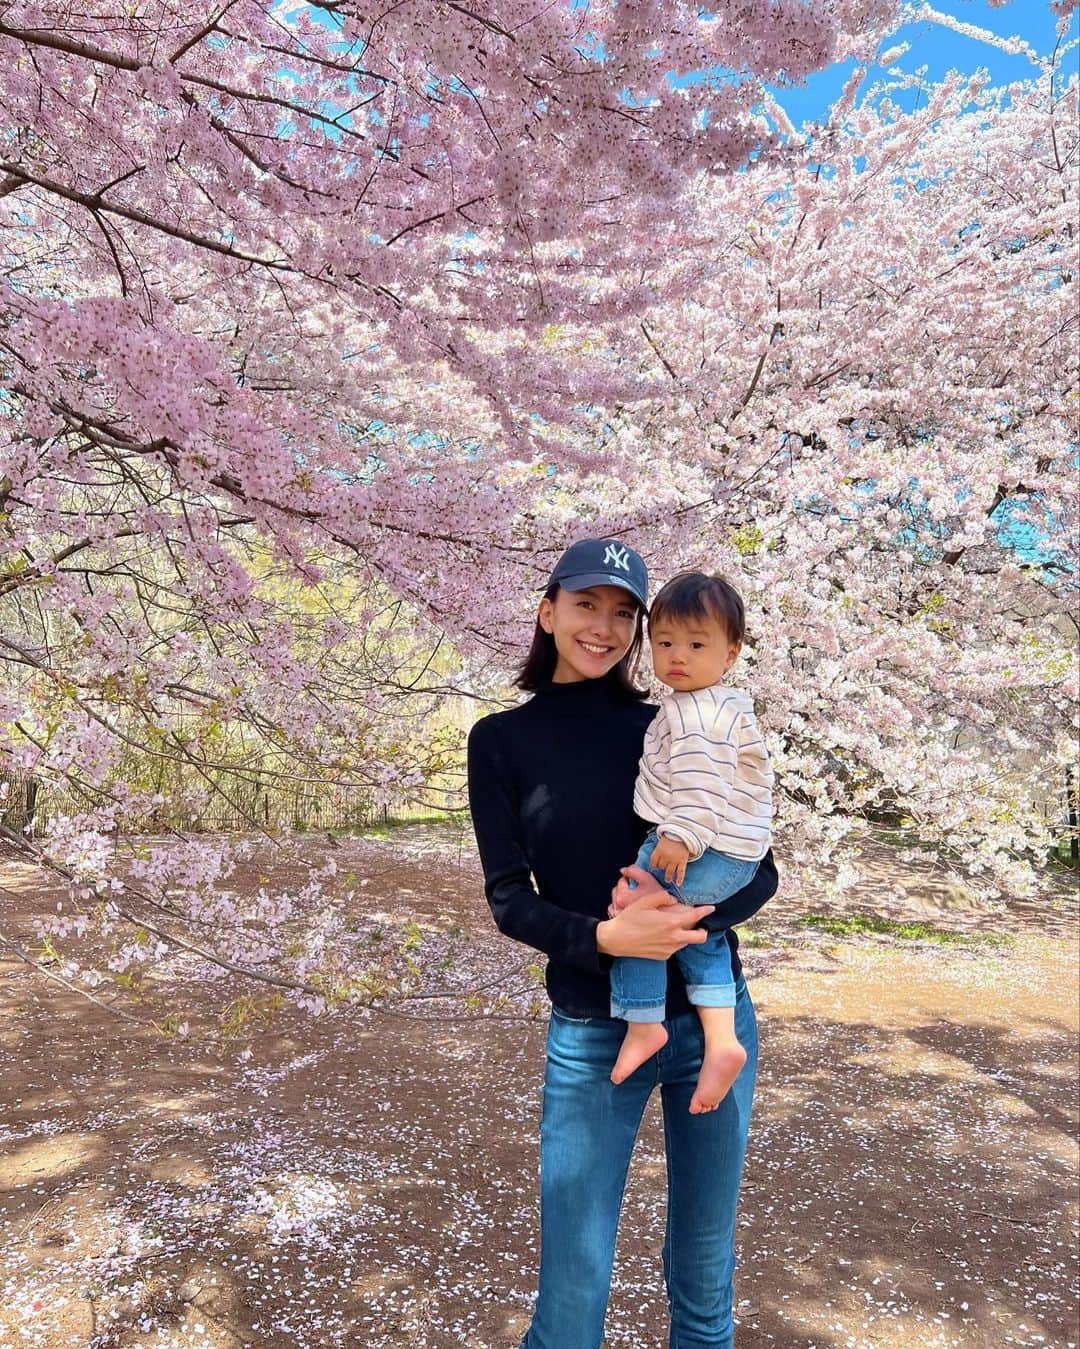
551, 793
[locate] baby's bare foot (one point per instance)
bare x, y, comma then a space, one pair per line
642, 1040
721, 1066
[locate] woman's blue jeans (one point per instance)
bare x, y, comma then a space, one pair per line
586, 1137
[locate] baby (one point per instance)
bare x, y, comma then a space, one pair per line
705, 782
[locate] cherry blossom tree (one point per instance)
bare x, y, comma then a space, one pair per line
309, 314
877, 378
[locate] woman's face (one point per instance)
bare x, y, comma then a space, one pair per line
592, 628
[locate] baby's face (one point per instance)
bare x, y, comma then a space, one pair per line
691, 654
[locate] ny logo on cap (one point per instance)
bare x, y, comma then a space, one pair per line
617, 556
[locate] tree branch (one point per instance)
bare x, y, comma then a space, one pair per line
72, 988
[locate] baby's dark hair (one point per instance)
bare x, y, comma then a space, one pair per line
693, 594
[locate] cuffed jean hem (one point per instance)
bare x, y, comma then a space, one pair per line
653, 1011
711, 995
681, 1342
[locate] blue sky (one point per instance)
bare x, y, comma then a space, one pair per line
931, 45
941, 50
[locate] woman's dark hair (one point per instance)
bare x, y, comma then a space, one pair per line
693, 594
539, 665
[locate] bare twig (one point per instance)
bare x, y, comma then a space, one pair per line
72, 988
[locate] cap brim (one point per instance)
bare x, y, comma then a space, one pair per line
600, 578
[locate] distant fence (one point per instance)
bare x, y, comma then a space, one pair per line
26, 806
18, 801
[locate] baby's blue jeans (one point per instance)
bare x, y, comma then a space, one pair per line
639, 986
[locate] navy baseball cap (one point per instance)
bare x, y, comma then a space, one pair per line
602, 562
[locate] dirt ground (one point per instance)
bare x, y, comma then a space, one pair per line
368, 1177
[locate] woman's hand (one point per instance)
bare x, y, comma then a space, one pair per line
647, 920
634, 882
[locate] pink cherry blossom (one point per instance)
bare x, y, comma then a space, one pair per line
322, 336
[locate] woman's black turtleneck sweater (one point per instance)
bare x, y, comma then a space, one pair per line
551, 790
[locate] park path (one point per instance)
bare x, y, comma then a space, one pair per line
367, 1179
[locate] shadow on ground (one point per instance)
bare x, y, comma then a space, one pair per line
369, 1180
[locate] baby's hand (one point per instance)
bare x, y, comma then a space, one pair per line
670, 856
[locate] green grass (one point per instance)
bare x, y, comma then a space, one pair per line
384, 828
369, 831
862, 924
1062, 854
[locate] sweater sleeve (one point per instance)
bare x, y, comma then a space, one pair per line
701, 763
519, 911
